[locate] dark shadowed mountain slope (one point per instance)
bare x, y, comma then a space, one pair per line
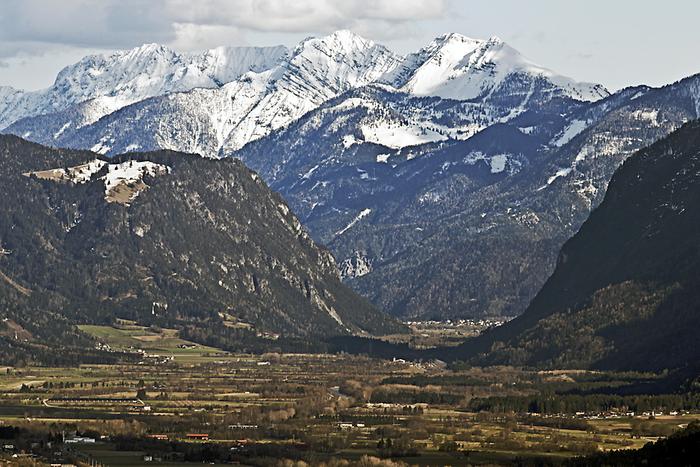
164, 238
626, 290
681, 448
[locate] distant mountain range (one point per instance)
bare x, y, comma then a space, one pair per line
164, 238
625, 291
241, 94
102, 84
444, 181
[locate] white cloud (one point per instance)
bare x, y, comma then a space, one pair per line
82, 23
33, 26
301, 15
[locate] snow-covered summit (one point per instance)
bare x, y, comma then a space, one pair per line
335, 63
318, 69
454, 66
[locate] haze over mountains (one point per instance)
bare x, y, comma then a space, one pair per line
444, 182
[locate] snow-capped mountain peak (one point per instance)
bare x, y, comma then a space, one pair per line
454, 66
317, 70
226, 64
341, 61
455, 38
339, 41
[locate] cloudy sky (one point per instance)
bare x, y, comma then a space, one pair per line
614, 42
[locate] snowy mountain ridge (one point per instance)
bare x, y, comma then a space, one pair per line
124, 77
317, 70
220, 110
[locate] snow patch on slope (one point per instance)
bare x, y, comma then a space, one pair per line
130, 172
83, 173
364, 213
383, 158
651, 116
61, 130
574, 128
497, 163
558, 174
349, 140
399, 136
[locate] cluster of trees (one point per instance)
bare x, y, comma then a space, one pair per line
559, 422
592, 403
21, 354
408, 396
207, 238
209, 452
436, 380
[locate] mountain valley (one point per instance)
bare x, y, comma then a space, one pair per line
443, 182
379, 244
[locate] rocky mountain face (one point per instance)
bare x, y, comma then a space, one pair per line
624, 294
444, 182
391, 214
164, 238
429, 224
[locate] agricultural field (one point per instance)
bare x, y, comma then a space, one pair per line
184, 403
152, 342
431, 334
